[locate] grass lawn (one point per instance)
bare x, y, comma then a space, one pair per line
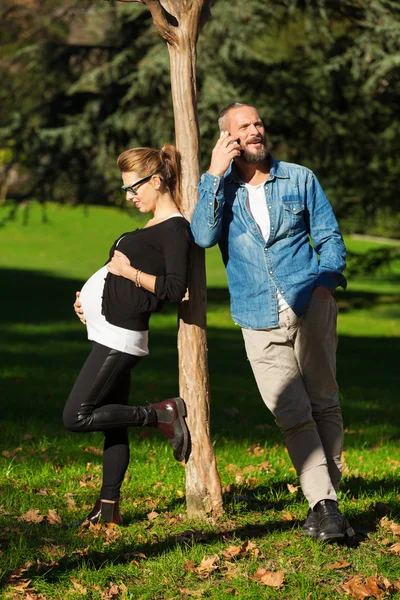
49, 478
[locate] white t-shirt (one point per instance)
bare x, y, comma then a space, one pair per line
257, 205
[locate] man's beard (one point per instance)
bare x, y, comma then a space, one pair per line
255, 157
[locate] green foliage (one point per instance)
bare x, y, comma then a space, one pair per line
84, 82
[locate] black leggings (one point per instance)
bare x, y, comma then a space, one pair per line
99, 402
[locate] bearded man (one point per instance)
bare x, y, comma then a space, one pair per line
263, 212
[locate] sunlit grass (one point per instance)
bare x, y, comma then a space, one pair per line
45, 257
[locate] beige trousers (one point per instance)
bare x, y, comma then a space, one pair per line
295, 369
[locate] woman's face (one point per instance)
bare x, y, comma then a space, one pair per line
140, 191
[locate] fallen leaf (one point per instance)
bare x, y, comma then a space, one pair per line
264, 465
189, 565
93, 450
114, 592
269, 578
394, 528
292, 488
340, 564
11, 453
207, 566
79, 587
32, 516
41, 491
70, 501
153, 515
395, 548
372, 588
256, 450
191, 592
287, 516
53, 518
231, 552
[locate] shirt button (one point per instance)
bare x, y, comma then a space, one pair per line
269, 206
210, 203
272, 228
271, 272
293, 209
282, 291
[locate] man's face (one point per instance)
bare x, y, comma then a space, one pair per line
245, 124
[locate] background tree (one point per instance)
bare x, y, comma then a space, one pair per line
84, 80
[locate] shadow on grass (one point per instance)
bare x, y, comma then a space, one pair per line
44, 346
233, 531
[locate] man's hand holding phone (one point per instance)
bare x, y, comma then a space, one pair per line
225, 150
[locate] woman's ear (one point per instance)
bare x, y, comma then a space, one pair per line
157, 182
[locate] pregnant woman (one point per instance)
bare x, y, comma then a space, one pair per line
146, 267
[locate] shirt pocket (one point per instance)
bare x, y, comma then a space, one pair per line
293, 215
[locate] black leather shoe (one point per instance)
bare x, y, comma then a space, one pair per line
311, 524
332, 525
104, 512
171, 422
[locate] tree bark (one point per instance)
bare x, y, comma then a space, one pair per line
179, 22
203, 487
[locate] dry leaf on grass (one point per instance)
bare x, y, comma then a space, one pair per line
114, 592
11, 453
153, 515
292, 488
287, 516
93, 450
79, 587
207, 566
32, 516
53, 518
269, 578
71, 504
373, 587
395, 548
394, 528
41, 491
191, 592
242, 550
340, 564
256, 450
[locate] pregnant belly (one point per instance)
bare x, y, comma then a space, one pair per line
91, 295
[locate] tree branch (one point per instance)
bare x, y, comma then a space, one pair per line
160, 19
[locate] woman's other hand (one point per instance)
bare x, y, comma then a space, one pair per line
119, 264
78, 309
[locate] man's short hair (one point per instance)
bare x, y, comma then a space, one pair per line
224, 111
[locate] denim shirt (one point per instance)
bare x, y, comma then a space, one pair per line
299, 211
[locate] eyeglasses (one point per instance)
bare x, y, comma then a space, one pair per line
131, 188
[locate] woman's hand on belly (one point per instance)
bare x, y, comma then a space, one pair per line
119, 265
78, 309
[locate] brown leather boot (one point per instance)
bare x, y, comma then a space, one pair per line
171, 423
104, 512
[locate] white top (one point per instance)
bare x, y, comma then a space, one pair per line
257, 205
99, 329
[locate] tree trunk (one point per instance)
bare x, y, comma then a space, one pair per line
203, 487
179, 23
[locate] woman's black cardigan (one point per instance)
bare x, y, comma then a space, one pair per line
161, 250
